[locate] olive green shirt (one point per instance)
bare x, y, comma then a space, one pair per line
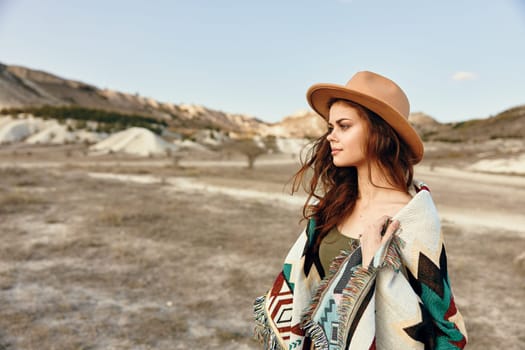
332, 245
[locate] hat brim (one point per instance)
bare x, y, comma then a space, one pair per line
320, 96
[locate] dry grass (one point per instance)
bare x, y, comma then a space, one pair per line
489, 288
16, 191
109, 265
92, 264
12, 202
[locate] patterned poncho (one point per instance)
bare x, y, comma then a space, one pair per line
403, 300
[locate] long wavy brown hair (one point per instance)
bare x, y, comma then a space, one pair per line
333, 191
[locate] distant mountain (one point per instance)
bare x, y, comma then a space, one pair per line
22, 87
509, 124
298, 125
422, 120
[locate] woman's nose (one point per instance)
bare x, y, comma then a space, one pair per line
330, 137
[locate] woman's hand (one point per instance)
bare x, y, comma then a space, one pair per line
371, 239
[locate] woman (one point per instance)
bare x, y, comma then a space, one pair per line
369, 271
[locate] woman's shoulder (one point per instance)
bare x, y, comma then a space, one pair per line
418, 186
394, 204
420, 213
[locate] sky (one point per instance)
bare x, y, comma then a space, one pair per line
455, 59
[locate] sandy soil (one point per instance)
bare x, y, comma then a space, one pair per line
122, 253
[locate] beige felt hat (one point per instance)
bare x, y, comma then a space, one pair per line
377, 93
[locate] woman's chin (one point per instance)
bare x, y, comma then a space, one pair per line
340, 164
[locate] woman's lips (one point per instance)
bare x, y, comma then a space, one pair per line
336, 150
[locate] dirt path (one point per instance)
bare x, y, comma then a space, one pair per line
485, 203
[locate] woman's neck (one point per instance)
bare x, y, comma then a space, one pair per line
373, 184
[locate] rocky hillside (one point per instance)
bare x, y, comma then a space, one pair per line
509, 124
303, 124
22, 87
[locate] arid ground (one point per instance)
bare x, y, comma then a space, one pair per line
123, 253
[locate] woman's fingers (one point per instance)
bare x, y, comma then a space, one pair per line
377, 234
390, 229
383, 226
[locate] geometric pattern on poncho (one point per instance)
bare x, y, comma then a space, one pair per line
280, 301
429, 321
432, 284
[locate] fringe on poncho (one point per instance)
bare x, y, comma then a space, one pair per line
403, 300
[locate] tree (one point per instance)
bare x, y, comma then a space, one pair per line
176, 155
248, 147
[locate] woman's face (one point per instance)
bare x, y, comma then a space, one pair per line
347, 135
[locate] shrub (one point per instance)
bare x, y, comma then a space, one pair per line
114, 120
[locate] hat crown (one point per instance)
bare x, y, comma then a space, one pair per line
380, 88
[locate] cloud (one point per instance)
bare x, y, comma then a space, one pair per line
460, 76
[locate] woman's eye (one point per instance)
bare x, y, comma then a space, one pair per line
344, 126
